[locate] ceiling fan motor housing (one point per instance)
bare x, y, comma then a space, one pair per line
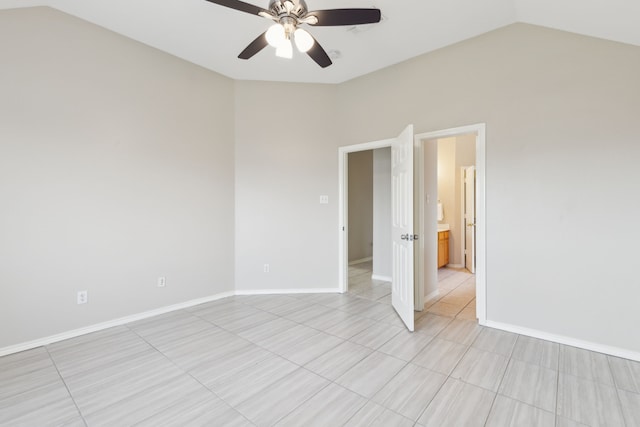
288, 8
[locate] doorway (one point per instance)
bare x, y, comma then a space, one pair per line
369, 224
455, 193
462, 216
420, 247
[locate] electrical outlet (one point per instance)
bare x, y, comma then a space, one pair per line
162, 282
82, 297
266, 268
324, 200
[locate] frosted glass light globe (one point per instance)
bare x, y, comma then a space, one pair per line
303, 40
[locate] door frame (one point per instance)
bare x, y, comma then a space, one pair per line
479, 130
463, 225
343, 205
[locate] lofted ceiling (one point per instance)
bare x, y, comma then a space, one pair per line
212, 36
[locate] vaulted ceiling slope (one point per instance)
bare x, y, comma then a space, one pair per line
212, 36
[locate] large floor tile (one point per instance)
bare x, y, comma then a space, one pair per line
431, 324
100, 389
496, 341
47, 405
377, 311
350, 327
325, 321
230, 364
289, 307
263, 332
410, 391
241, 385
170, 330
512, 413
566, 422
585, 364
279, 399
588, 402
307, 313
440, 355
626, 373
332, 406
374, 415
630, 407
203, 348
133, 408
338, 360
481, 368
371, 374
92, 351
376, 335
406, 345
308, 349
284, 340
246, 321
531, 384
461, 331
197, 409
458, 404
441, 308
537, 352
26, 371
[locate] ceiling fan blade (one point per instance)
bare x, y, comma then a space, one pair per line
240, 5
318, 54
254, 47
335, 17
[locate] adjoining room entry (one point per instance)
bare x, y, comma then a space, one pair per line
409, 294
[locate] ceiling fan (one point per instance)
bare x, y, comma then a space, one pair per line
288, 16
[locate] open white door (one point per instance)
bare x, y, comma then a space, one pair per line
470, 218
402, 225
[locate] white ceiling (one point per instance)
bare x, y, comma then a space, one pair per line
212, 36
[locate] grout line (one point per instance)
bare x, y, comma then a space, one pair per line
615, 386
66, 386
186, 373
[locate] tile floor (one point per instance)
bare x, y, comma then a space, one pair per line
313, 360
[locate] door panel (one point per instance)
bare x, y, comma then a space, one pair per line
402, 291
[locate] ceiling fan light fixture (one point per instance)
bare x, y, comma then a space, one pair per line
276, 35
285, 50
303, 40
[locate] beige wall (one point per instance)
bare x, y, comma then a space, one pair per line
360, 193
447, 178
382, 254
561, 113
116, 167
286, 157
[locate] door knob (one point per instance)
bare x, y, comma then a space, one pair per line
404, 237
471, 225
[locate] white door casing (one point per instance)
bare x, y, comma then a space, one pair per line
470, 218
402, 291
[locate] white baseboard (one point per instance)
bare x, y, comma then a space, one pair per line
358, 261
288, 291
431, 296
380, 277
162, 310
573, 342
454, 265
109, 324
